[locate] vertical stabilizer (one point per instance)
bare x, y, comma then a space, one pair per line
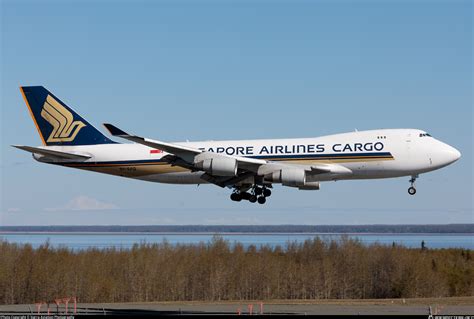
57, 123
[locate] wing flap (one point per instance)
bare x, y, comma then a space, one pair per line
333, 169
225, 181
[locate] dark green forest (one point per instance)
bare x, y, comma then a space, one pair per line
218, 270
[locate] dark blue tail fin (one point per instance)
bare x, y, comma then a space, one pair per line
58, 124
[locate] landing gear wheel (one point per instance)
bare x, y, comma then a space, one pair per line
262, 200
412, 190
236, 197
267, 192
245, 195
252, 198
258, 191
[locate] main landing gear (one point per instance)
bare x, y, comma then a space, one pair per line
257, 194
412, 189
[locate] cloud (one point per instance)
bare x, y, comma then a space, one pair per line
13, 209
84, 203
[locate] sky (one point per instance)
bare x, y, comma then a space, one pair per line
210, 70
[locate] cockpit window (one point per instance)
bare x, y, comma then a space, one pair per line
424, 134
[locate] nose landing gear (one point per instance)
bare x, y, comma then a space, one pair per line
412, 189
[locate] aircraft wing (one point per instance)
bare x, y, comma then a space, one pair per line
187, 157
183, 152
53, 153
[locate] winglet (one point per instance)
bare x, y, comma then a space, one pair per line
115, 131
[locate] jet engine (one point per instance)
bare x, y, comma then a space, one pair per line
220, 166
292, 177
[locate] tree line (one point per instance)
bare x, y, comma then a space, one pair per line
218, 270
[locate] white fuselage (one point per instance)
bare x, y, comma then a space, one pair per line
368, 154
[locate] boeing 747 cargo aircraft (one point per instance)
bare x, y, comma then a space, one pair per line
248, 167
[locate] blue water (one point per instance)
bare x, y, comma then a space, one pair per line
78, 241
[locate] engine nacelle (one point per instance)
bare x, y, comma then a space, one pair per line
221, 166
292, 177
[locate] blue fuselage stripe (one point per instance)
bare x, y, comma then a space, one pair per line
319, 156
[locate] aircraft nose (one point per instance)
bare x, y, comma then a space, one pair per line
451, 154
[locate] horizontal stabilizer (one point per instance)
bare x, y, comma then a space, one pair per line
53, 154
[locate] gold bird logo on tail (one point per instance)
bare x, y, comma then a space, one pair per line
65, 128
